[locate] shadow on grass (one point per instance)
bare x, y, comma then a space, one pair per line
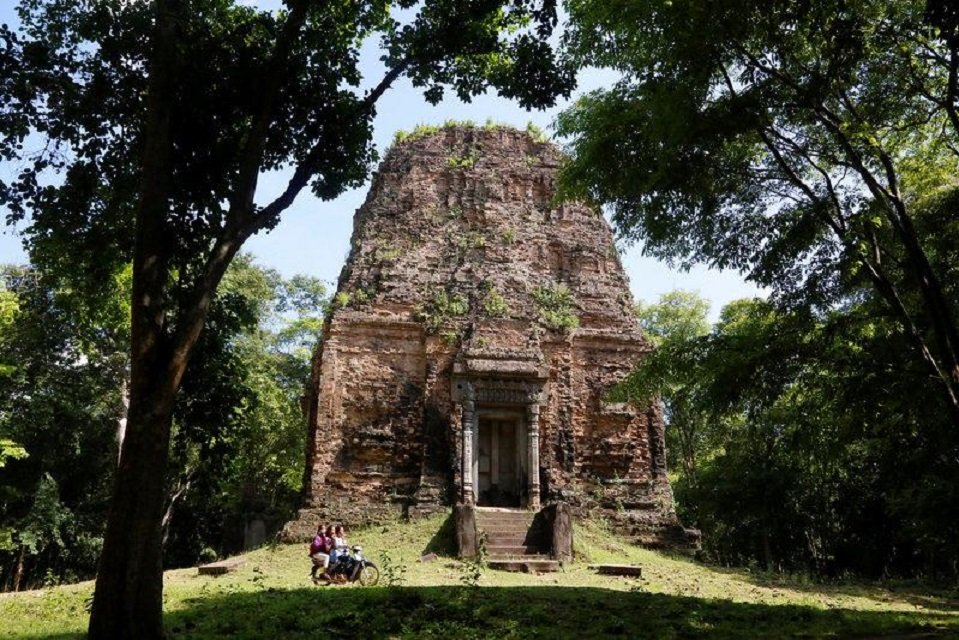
521, 612
443, 542
933, 597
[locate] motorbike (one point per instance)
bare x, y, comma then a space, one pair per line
350, 566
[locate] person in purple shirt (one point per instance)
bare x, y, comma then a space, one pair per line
320, 550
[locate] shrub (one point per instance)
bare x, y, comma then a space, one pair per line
554, 304
462, 161
495, 305
440, 309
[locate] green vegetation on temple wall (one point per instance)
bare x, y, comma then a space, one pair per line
440, 309
536, 133
422, 130
471, 240
385, 253
495, 305
554, 303
509, 236
463, 161
362, 296
354, 298
388, 255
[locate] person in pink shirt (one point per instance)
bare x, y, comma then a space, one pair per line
320, 550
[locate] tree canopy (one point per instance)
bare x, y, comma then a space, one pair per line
140, 130
238, 440
806, 442
812, 146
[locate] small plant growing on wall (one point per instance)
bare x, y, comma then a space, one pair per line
420, 131
440, 309
536, 133
471, 240
362, 296
387, 254
554, 304
356, 297
495, 305
462, 161
509, 236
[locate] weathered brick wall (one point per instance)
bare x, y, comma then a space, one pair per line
459, 214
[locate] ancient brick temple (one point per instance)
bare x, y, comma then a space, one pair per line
478, 328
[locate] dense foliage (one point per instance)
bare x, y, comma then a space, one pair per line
804, 442
239, 439
812, 146
155, 121
809, 145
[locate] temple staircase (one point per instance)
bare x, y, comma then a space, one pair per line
514, 540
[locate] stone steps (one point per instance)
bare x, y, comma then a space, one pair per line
505, 529
508, 540
523, 565
498, 550
513, 541
504, 519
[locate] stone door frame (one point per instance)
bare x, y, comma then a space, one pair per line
491, 417
489, 397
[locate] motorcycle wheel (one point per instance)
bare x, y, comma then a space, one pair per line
369, 575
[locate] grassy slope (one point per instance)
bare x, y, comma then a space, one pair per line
270, 596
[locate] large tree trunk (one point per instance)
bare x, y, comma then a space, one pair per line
18, 570
128, 602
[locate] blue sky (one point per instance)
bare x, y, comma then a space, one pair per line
313, 236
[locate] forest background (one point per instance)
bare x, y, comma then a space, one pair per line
812, 431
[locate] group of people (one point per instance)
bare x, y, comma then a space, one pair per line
329, 546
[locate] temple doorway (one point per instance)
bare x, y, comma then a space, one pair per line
501, 462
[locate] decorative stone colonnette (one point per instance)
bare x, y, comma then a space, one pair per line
478, 328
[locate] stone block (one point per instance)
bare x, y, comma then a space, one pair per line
464, 516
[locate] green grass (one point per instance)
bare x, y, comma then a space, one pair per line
271, 596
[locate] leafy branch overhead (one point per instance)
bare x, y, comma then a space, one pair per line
811, 146
137, 133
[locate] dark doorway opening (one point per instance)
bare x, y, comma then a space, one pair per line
499, 463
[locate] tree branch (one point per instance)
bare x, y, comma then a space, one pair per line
251, 158
952, 88
237, 231
305, 170
370, 100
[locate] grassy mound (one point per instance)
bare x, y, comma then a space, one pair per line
271, 596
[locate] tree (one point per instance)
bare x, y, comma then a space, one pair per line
807, 144
815, 430
159, 118
673, 325
238, 441
60, 404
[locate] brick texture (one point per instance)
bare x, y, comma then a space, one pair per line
453, 257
